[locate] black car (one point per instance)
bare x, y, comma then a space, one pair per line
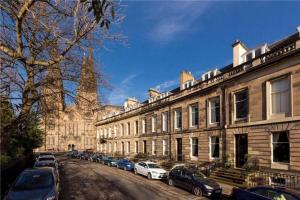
35, 184
264, 193
193, 180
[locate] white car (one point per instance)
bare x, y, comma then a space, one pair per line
150, 169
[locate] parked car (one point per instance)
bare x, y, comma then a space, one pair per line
125, 164
47, 163
47, 158
93, 157
193, 180
100, 158
265, 193
150, 169
37, 184
110, 161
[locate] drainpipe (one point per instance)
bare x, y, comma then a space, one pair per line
170, 136
223, 126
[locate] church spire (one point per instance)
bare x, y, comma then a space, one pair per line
52, 87
86, 97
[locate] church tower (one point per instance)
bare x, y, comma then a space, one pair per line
86, 97
53, 90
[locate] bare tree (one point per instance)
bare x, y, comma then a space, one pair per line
31, 30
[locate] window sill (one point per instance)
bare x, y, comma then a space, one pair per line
194, 158
281, 166
193, 127
216, 124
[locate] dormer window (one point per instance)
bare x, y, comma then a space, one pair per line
188, 84
254, 53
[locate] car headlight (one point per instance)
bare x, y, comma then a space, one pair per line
128, 165
50, 198
154, 172
208, 187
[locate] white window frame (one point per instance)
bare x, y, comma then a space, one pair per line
176, 125
270, 106
165, 121
122, 129
191, 148
272, 154
153, 147
115, 147
234, 103
210, 109
128, 147
109, 147
136, 127
153, 124
143, 126
165, 146
109, 132
191, 115
128, 128
210, 150
136, 146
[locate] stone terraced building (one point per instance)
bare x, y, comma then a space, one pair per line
248, 109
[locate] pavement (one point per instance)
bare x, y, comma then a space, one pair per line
82, 179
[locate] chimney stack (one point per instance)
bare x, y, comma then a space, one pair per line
238, 50
186, 76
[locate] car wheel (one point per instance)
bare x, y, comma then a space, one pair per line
170, 182
197, 191
125, 168
149, 176
135, 171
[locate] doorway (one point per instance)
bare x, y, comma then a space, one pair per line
241, 149
179, 149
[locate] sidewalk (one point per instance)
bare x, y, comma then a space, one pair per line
227, 189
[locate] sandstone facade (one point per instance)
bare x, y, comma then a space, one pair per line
250, 109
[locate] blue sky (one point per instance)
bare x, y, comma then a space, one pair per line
166, 37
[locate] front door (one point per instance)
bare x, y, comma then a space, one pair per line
241, 149
179, 149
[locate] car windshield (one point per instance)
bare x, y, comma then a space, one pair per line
198, 175
153, 165
109, 158
44, 165
46, 158
33, 181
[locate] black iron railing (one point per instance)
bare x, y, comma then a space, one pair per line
281, 179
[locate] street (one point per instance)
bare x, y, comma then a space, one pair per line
82, 179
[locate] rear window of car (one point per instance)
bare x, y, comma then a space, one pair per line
34, 181
46, 158
44, 165
153, 165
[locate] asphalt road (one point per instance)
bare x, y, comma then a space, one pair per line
86, 180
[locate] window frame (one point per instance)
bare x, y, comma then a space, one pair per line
165, 147
153, 124
144, 128
235, 103
272, 115
210, 147
128, 128
192, 145
164, 124
153, 147
176, 127
272, 148
136, 127
191, 115
210, 109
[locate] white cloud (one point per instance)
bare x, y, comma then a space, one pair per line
166, 85
119, 93
176, 17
